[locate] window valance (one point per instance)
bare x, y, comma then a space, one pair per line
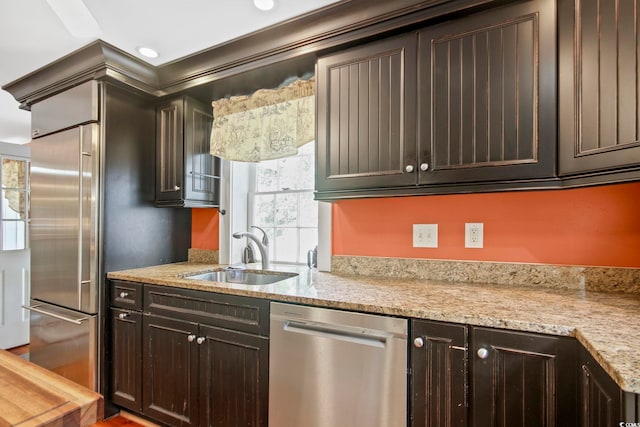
269, 124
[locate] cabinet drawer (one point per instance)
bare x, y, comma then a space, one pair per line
227, 311
126, 295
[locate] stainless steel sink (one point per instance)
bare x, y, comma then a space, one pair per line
242, 277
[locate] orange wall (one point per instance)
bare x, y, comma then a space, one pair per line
597, 226
204, 228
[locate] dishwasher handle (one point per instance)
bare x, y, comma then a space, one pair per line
378, 339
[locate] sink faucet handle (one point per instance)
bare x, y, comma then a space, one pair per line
265, 238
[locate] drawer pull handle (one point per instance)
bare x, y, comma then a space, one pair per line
124, 294
200, 340
123, 315
190, 338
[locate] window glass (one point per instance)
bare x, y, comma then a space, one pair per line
14, 206
282, 203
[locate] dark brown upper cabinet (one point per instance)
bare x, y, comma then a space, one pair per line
187, 174
599, 86
366, 116
487, 96
485, 109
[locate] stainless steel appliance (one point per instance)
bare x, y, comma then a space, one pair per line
330, 368
92, 211
63, 236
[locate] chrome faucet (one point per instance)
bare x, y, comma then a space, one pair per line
263, 245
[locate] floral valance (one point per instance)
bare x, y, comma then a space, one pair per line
269, 124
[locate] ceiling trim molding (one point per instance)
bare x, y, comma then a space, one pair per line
336, 25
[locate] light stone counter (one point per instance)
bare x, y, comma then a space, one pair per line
607, 324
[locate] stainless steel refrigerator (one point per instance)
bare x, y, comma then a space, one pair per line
64, 256
92, 211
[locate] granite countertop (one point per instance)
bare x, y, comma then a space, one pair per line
607, 324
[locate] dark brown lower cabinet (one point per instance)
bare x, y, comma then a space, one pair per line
191, 358
602, 402
473, 376
439, 374
522, 379
126, 363
234, 378
170, 370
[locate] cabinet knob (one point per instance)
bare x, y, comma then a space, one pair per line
190, 338
176, 188
124, 294
200, 340
424, 166
408, 168
418, 342
122, 315
483, 353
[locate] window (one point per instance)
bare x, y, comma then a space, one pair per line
281, 202
14, 210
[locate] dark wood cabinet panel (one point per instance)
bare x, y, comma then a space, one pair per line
487, 96
234, 378
126, 359
602, 402
439, 374
186, 173
366, 115
227, 311
126, 295
170, 370
470, 100
522, 379
599, 86
190, 358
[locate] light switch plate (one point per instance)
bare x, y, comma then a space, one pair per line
474, 235
425, 235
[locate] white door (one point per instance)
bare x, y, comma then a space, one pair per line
15, 257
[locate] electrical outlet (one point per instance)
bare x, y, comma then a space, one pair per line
474, 235
425, 235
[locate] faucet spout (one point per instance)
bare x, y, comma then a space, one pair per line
262, 247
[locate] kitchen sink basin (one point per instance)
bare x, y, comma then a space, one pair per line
242, 277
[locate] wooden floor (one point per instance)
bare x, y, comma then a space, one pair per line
117, 421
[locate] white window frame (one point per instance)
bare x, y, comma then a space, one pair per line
237, 178
20, 153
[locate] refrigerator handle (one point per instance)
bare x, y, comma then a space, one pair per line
57, 316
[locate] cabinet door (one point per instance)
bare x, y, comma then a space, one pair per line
126, 359
487, 96
601, 400
170, 371
366, 102
234, 378
522, 379
169, 153
438, 374
599, 86
202, 170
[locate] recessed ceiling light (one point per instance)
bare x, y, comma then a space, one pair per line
147, 51
264, 4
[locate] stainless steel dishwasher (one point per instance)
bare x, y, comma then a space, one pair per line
331, 368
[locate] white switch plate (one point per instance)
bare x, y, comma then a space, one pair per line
474, 235
425, 235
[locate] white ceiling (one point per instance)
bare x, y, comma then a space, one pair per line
32, 35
